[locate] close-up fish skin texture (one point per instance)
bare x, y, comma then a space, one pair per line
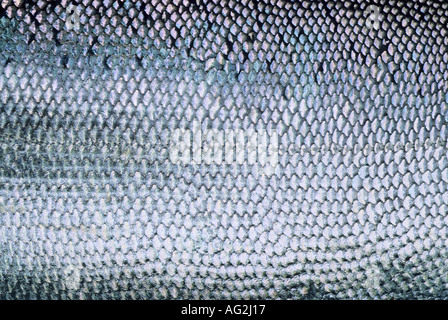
351, 98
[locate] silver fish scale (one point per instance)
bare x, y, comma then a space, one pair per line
92, 206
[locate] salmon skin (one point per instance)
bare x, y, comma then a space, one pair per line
223, 149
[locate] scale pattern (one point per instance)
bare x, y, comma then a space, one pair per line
93, 207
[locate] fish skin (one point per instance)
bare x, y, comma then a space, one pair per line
93, 207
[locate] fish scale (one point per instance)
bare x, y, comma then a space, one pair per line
343, 195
